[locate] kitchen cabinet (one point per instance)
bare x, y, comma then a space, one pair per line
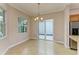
73, 42
74, 17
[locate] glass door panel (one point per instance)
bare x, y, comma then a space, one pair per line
49, 29
42, 30
46, 29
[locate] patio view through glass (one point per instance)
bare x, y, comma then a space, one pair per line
46, 29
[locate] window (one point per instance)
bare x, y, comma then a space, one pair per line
22, 24
46, 29
2, 23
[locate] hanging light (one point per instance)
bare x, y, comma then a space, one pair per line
38, 15
41, 18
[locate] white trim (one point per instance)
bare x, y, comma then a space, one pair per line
59, 42
13, 46
66, 27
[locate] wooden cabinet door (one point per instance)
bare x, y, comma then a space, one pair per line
74, 18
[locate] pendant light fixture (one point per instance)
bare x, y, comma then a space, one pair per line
38, 17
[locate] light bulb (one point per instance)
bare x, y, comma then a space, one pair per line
41, 18
37, 18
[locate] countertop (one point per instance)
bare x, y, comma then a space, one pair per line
74, 37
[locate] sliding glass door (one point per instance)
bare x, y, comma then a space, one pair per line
46, 29
42, 30
49, 29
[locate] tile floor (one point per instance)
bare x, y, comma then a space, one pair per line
40, 47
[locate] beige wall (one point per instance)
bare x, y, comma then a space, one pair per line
33, 28
74, 11
13, 36
58, 26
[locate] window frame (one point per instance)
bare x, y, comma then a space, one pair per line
19, 19
5, 23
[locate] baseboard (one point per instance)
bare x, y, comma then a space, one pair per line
59, 42
50, 40
13, 46
33, 38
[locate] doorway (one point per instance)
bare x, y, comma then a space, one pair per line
46, 29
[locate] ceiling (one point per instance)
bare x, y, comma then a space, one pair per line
31, 9
74, 6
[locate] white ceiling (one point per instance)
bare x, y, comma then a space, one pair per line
45, 8
74, 6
